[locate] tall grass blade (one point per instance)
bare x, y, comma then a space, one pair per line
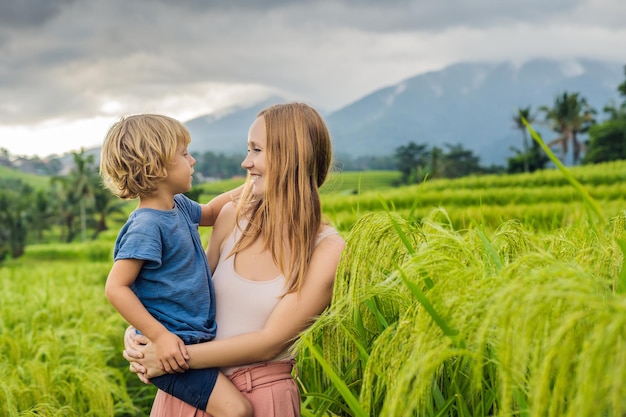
566, 173
490, 251
621, 283
430, 309
399, 230
348, 396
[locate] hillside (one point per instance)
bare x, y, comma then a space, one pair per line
467, 103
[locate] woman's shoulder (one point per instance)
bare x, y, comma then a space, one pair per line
229, 210
226, 218
329, 234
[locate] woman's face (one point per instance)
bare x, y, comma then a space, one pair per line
256, 161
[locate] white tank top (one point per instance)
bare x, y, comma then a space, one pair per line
242, 305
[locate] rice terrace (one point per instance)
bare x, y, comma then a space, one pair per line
479, 296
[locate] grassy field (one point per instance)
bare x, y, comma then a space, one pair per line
342, 183
482, 296
36, 181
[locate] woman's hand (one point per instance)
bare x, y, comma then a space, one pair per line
139, 351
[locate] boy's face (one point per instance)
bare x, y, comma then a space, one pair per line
180, 171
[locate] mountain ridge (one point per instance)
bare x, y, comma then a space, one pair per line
467, 103
471, 104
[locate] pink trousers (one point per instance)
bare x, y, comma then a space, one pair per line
269, 387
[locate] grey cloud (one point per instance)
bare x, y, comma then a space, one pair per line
428, 15
68, 57
20, 13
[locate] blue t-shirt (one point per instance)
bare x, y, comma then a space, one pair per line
174, 283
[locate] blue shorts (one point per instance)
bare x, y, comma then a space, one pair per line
194, 386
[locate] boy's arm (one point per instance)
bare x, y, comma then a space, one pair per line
211, 209
171, 350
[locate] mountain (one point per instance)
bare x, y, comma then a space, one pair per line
471, 104
226, 132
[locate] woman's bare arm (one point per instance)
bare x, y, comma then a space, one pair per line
294, 313
211, 210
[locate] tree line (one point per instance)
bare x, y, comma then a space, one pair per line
570, 116
72, 206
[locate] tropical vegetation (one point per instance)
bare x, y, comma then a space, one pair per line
479, 296
461, 293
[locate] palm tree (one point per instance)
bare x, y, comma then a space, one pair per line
81, 175
569, 116
518, 119
75, 191
104, 205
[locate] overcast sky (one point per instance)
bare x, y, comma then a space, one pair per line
70, 68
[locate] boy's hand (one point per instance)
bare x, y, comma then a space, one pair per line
171, 353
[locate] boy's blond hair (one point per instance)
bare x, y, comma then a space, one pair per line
136, 152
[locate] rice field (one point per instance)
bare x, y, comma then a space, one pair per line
481, 296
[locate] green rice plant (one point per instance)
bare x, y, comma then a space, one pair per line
537, 329
97, 251
348, 331
354, 182
60, 343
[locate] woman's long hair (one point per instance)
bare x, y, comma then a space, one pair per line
289, 215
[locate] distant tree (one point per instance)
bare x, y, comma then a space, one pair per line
412, 162
105, 204
459, 162
622, 87
52, 166
220, 166
535, 159
44, 213
5, 157
16, 216
194, 194
68, 206
82, 179
436, 163
344, 162
75, 194
519, 117
607, 141
615, 112
569, 116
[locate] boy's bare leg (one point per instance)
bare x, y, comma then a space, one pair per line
227, 401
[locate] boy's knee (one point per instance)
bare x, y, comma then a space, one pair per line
241, 409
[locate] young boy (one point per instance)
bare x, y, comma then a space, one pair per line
160, 281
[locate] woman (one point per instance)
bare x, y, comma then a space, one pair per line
273, 261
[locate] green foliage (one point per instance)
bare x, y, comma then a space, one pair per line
469, 297
537, 327
412, 161
95, 251
607, 142
338, 182
542, 199
60, 343
16, 215
35, 181
569, 116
